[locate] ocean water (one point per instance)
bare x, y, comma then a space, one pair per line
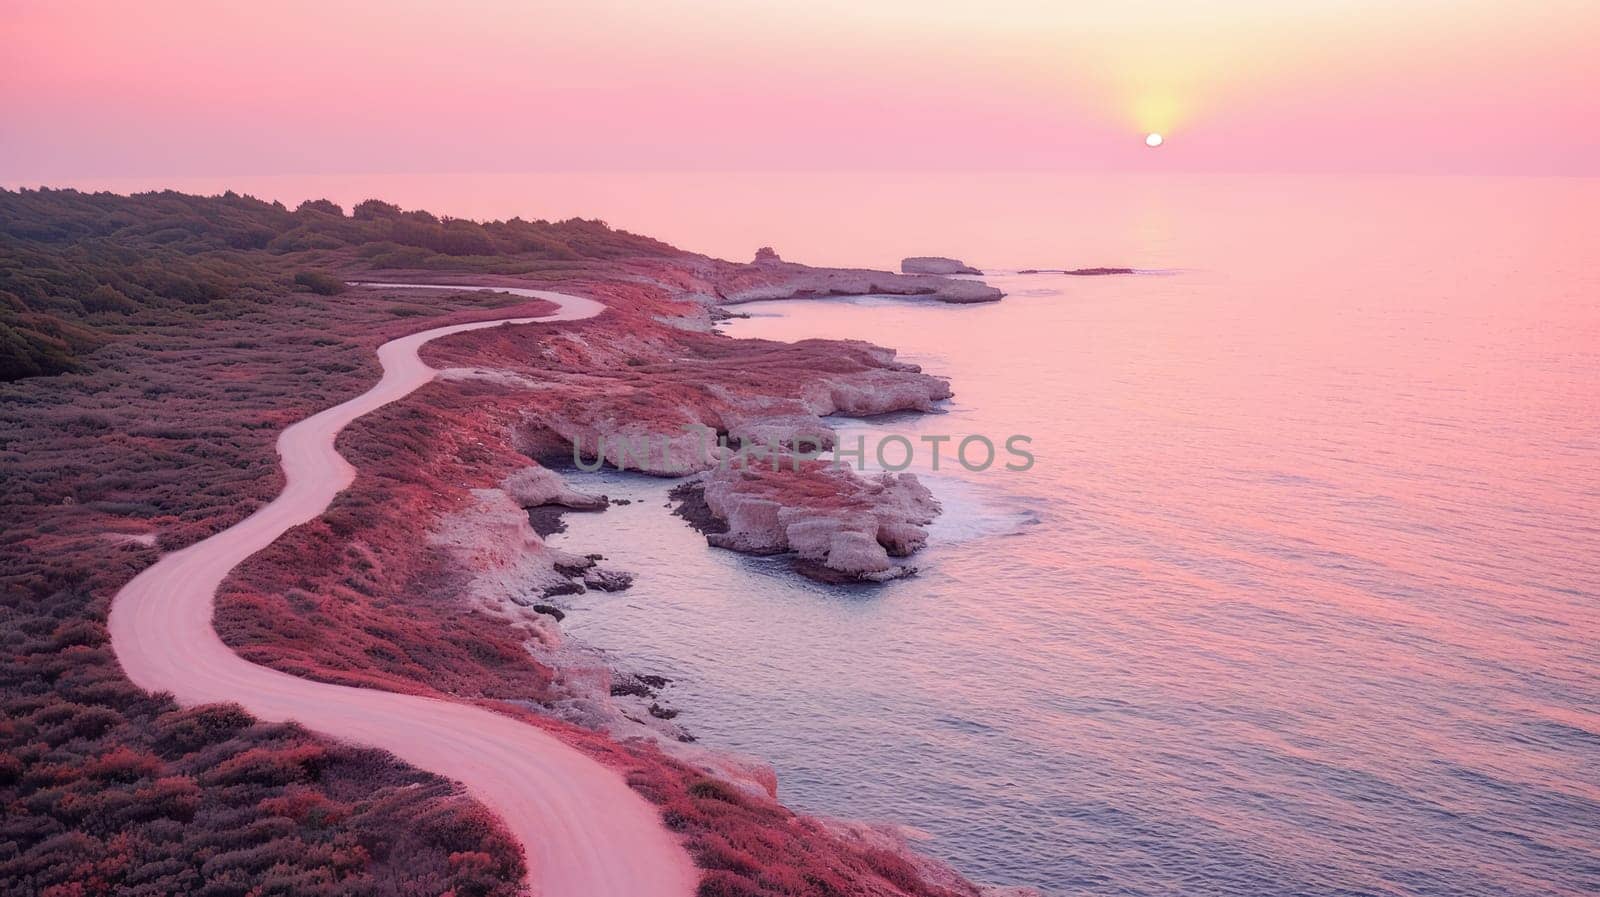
1302, 595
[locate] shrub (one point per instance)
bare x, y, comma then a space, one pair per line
324, 206
27, 352
68, 260
186, 731
712, 789
372, 209
725, 884
319, 283
107, 298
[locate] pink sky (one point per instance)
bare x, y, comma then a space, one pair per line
168, 88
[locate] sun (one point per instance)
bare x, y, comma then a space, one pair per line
1153, 140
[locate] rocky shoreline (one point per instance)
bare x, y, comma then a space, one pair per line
649, 376
427, 574
652, 372
659, 392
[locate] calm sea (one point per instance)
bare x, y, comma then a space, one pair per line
1302, 595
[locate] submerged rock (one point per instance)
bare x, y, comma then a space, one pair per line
602, 579
1079, 272
561, 588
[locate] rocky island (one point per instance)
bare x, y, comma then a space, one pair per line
840, 526
1080, 272
770, 277
934, 264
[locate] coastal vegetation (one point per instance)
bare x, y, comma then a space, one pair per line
78, 270
318, 282
161, 342
154, 346
109, 790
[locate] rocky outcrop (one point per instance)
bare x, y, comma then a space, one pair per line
602, 579
509, 563
659, 409
839, 525
1096, 272
815, 283
1079, 272
534, 487
935, 264
770, 277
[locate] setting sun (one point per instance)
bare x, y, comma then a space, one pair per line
1153, 140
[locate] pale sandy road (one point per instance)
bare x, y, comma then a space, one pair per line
585, 833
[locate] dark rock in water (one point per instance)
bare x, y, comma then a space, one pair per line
563, 588
818, 572
692, 507
607, 580
575, 569
935, 264
550, 610
639, 685
632, 689
546, 520
622, 501
546, 497
1079, 272
660, 712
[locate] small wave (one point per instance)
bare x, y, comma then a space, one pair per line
969, 726
973, 512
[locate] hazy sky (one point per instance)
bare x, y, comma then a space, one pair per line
168, 88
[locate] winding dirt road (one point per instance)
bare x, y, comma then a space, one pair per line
584, 832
